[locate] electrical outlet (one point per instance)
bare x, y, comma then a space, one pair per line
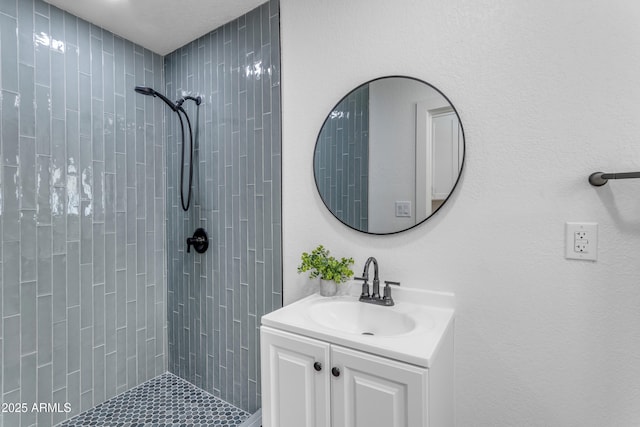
581, 247
581, 240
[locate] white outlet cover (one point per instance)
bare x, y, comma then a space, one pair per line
586, 250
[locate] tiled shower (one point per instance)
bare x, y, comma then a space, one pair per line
341, 160
216, 300
98, 293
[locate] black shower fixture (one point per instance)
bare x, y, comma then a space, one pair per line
144, 90
150, 92
177, 108
195, 99
199, 241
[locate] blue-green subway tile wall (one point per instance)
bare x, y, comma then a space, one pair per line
82, 213
341, 160
216, 300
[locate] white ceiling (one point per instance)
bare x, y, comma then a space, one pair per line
159, 25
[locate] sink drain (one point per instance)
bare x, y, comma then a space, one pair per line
368, 333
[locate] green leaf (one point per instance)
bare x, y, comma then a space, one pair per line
321, 264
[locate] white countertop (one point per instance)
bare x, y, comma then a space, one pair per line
432, 312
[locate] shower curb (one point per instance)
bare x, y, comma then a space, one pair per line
254, 420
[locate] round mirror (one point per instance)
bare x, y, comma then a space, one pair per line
389, 155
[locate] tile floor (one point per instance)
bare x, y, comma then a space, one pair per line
165, 401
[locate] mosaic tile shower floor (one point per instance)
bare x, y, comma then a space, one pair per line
165, 401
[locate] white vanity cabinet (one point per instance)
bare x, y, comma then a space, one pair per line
310, 382
339, 362
374, 391
294, 392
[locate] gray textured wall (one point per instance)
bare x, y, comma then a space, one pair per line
82, 312
341, 160
216, 300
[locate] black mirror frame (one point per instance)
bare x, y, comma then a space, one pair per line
455, 185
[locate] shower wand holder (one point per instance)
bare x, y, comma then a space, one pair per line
199, 241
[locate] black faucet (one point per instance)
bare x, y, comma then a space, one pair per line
374, 297
364, 295
376, 279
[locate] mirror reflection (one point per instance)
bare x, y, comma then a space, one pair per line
388, 155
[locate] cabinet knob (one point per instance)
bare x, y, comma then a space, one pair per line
317, 366
335, 372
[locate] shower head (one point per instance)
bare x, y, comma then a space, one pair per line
144, 90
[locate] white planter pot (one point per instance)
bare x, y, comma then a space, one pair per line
328, 288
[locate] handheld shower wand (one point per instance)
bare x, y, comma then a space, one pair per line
177, 108
143, 90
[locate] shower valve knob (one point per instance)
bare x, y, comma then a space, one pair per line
199, 241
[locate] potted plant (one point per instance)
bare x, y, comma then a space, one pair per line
328, 269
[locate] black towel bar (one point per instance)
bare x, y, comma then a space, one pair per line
598, 179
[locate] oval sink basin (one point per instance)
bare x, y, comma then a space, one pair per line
360, 318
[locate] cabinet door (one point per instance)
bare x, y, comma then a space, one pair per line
375, 392
294, 392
